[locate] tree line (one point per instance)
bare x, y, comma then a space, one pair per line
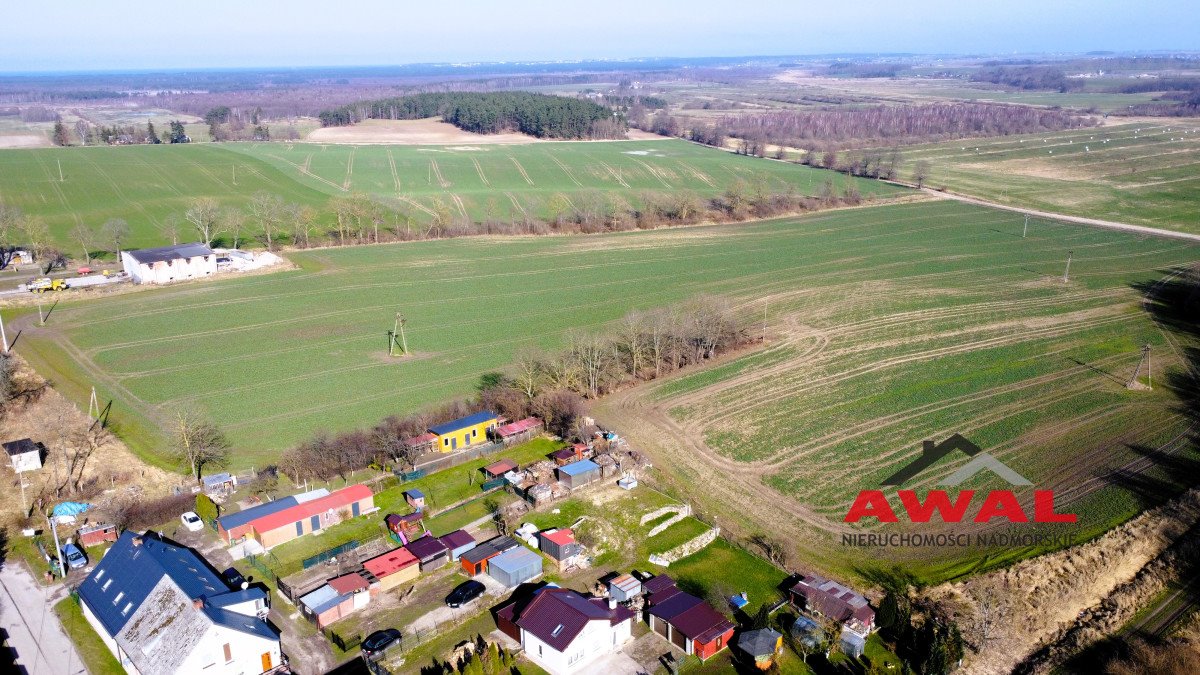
539, 115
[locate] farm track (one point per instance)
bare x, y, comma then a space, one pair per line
565, 169
521, 170
395, 174
479, 170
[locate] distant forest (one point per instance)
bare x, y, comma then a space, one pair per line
539, 115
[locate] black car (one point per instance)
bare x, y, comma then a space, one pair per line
466, 592
380, 640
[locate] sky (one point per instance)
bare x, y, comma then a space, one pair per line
121, 34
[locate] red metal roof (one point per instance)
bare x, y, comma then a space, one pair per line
518, 427
500, 468
340, 499
348, 583
420, 440
561, 537
389, 563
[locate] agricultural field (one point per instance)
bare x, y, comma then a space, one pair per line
1144, 173
885, 326
144, 184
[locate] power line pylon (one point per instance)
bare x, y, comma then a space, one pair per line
1145, 361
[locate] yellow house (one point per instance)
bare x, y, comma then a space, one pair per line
463, 432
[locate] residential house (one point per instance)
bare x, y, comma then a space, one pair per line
687, 621
762, 646
169, 263
393, 568
578, 474
561, 546
463, 432
24, 455
475, 561
429, 551
515, 566
160, 609
563, 631
457, 543
832, 600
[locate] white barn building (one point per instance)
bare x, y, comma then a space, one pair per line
169, 263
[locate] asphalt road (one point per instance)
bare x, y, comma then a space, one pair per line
34, 631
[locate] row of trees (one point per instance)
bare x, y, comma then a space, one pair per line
540, 115
86, 133
905, 123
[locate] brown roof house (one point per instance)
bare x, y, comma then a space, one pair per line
564, 631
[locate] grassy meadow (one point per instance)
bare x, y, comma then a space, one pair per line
1143, 173
144, 184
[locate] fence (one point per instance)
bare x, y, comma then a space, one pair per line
330, 553
343, 643
262, 567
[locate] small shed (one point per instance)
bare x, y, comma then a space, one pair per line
422, 443
559, 544
393, 568
578, 473
475, 561
429, 551
624, 588
852, 644
519, 431
406, 527
24, 455
219, 483
415, 499
763, 646
458, 542
356, 586
515, 566
564, 456
325, 605
498, 469
93, 535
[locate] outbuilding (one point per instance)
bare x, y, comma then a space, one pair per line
497, 469
578, 474
393, 568
94, 535
560, 545
464, 431
415, 499
515, 566
406, 527
762, 646
475, 561
312, 516
325, 605
458, 542
624, 588
429, 551
24, 454
169, 263
519, 431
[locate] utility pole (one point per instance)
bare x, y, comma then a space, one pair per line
397, 332
403, 340
3, 335
61, 178
1026, 231
62, 566
764, 322
41, 317
1145, 360
1067, 272
94, 406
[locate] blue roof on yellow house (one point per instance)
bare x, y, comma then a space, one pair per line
463, 422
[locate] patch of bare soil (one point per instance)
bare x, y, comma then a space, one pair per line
82, 462
431, 131
1012, 613
24, 141
1041, 168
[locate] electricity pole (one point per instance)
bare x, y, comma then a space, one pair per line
3, 335
1026, 231
41, 317
1067, 272
398, 332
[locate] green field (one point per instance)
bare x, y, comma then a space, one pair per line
144, 184
1147, 177
888, 325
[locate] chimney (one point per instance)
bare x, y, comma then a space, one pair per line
612, 603
137, 541
198, 603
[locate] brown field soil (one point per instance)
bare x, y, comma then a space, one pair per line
430, 131
24, 141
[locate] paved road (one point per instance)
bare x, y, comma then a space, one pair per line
33, 629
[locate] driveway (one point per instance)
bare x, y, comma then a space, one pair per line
34, 631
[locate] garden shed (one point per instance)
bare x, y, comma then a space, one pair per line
475, 561
393, 568
24, 454
559, 544
624, 588
763, 646
458, 542
515, 566
578, 473
429, 551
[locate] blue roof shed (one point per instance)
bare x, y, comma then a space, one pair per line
578, 473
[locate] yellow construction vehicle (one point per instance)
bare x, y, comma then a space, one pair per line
47, 284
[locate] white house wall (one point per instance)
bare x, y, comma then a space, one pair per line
597, 639
108, 640
208, 656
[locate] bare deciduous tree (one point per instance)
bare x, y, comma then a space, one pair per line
114, 231
86, 238
920, 173
204, 214
198, 442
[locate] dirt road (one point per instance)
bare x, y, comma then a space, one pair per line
1106, 224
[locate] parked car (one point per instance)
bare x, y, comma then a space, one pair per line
192, 521
233, 577
74, 557
380, 640
464, 593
